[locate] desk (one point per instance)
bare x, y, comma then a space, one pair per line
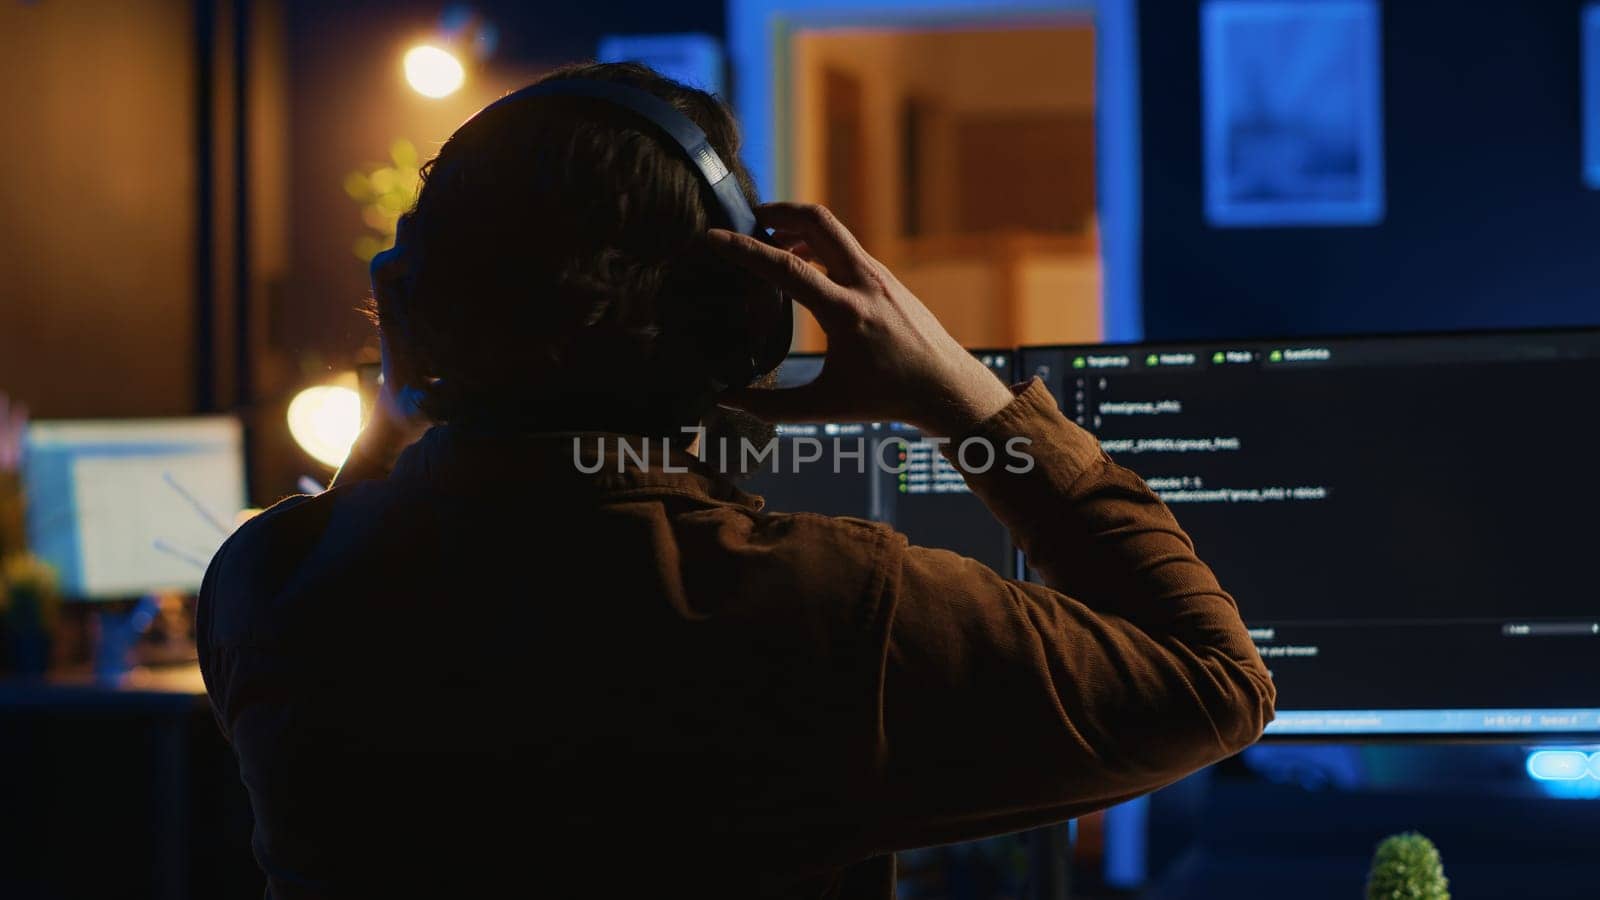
178, 688
123, 790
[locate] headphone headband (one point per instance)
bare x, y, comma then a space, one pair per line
735, 211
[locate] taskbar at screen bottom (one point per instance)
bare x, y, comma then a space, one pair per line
1484, 723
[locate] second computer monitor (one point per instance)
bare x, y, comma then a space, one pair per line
122, 508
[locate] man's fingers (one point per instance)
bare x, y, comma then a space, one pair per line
833, 243
789, 272
790, 241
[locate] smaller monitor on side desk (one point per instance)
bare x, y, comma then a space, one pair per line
1408, 523
122, 508
900, 477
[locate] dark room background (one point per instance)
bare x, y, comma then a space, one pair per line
1489, 223
120, 245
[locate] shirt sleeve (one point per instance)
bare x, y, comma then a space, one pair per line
1006, 704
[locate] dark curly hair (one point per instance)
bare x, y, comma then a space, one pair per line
553, 260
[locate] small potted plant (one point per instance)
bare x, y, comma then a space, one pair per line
30, 606
1407, 867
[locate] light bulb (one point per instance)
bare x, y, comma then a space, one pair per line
325, 420
433, 72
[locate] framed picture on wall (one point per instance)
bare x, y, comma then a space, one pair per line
1293, 112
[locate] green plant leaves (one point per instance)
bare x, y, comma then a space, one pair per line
1407, 867
384, 193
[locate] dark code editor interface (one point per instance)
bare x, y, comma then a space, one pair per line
1408, 524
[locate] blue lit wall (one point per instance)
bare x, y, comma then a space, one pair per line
564, 32
1488, 220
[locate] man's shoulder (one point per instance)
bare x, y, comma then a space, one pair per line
834, 532
267, 553
817, 558
289, 528
276, 525
809, 533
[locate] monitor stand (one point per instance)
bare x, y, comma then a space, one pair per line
1050, 861
115, 635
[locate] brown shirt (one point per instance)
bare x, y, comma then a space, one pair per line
491, 666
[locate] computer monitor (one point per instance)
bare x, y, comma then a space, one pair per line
1407, 523
900, 478
123, 508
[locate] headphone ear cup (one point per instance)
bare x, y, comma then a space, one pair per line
772, 332
726, 322
770, 326
761, 327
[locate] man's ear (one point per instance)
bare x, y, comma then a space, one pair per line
410, 387
390, 268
